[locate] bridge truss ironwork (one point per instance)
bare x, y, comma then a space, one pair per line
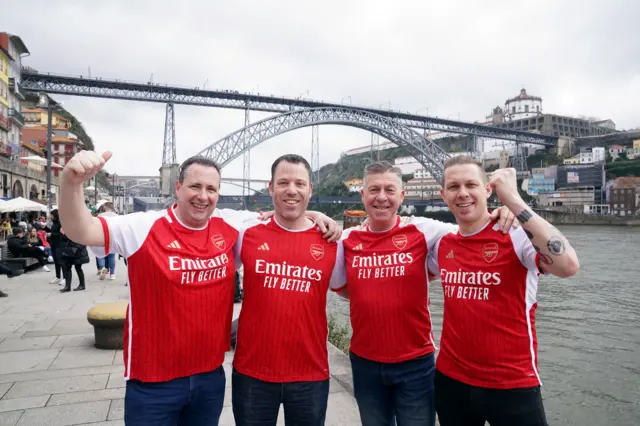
430, 155
32, 81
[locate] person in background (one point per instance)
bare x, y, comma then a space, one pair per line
41, 231
54, 241
34, 240
74, 255
106, 265
19, 247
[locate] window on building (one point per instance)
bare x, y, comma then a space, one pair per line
526, 108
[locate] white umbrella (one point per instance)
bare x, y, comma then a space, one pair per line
22, 205
41, 160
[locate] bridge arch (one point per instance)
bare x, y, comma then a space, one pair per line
230, 147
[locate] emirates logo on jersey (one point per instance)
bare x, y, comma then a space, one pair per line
219, 242
400, 241
490, 252
317, 251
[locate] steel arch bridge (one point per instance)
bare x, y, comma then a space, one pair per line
230, 147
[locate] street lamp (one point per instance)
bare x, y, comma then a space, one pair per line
46, 102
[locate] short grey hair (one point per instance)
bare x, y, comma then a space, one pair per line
381, 167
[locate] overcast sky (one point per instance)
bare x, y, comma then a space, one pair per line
458, 58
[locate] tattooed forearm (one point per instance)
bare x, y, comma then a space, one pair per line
555, 246
529, 234
524, 216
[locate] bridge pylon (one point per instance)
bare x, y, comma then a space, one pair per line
170, 168
246, 158
315, 155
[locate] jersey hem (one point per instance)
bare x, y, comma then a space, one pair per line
286, 379
192, 372
510, 384
338, 289
393, 360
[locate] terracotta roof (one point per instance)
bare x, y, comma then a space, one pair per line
524, 96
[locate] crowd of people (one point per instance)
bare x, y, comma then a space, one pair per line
47, 242
182, 265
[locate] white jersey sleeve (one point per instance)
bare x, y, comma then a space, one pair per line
432, 230
239, 219
432, 260
125, 234
524, 249
339, 274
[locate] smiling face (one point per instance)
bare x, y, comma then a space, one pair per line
290, 190
466, 191
197, 195
382, 195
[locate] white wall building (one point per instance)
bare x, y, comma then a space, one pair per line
592, 155
522, 106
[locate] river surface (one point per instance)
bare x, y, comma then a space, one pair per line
588, 330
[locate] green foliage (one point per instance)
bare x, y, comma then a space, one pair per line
623, 168
543, 159
339, 335
407, 177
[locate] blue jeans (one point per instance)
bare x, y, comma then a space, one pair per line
187, 401
109, 261
256, 403
402, 391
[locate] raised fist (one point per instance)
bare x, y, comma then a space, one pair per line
83, 166
504, 182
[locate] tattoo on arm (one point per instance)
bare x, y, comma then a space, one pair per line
529, 234
555, 246
524, 216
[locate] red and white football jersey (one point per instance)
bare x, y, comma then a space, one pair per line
386, 278
490, 280
282, 329
181, 283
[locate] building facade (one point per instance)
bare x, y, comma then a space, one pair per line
11, 95
625, 196
524, 112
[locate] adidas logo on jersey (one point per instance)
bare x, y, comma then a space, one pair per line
450, 255
358, 247
174, 245
264, 247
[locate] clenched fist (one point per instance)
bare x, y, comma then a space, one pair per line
83, 166
504, 182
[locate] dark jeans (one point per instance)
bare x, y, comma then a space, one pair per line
402, 391
460, 404
187, 401
57, 261
36, 253
68, 274
256, 403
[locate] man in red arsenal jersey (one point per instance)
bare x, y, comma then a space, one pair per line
382, 270
487, 366
281, 353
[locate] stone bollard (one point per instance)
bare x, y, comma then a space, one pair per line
108, 321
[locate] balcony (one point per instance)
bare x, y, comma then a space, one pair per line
17, 116
5, 123
16, 89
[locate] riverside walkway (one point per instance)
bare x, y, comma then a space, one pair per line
51, 374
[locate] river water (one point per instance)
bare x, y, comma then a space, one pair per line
588, 330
